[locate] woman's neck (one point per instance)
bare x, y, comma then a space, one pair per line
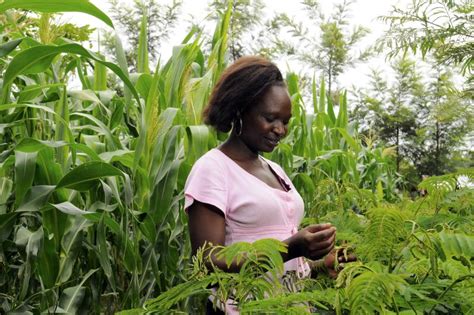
238, 150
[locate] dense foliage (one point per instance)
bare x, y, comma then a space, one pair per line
91, 187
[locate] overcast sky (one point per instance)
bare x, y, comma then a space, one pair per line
364, 12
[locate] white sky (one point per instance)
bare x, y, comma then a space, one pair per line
364, 12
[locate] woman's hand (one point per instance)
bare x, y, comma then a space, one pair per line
313, 242
335, 260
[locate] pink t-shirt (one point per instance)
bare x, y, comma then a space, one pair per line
252, 209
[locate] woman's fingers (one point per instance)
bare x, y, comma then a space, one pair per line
321, 242
317, 244
315, 241
321, 236
348, 258
317, 254
320, 249
318, 227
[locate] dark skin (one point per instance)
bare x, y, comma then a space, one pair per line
263, 126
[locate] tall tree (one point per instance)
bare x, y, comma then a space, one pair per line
425, 117
246, 17
450, 120
329, 45
443, 27
161, 19
389, 109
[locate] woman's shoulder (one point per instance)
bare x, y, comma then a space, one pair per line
211, 160
211, 156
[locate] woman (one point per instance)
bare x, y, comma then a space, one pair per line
234, 194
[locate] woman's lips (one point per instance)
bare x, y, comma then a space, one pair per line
273, 142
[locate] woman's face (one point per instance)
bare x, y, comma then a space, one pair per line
265, 124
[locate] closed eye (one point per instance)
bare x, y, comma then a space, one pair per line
269, 119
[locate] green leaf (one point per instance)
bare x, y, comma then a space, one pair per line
134, 311
103, 252
7, 222
111, 223
119, 155
35, 198
72, 297
71, 244
122, 61
33, 248
25, 164
84, 95
85, 175
6, 186
353, 143
48, 261
34, 243
8, 47
53, 6
69, 208
31, 92
143, 84
196, 97
112, 141
371, 293
33, 145
308, 183
456, 244
198, 139
38, 59
142, 55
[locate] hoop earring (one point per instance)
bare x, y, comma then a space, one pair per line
238, 131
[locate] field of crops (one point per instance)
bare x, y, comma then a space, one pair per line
92, 179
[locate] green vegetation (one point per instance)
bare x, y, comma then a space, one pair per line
91, 181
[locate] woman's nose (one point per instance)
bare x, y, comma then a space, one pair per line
280, 128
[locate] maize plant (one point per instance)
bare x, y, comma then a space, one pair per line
91, 182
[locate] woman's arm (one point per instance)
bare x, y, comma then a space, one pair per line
207, 225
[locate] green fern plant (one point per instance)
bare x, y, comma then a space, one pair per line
384, 234
258, 278
373, 292
440, 187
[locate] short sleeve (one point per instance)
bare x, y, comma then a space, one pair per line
206, 183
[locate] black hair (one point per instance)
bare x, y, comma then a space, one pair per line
240, 87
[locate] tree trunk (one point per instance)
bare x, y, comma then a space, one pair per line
398, 147
437, 153
330, 75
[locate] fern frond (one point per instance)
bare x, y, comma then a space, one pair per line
454, 244
266, 253
439, 185
418, 268
466, 172
385, 232
350, 271
269, 253
289, 303
431, 221
236, 252
416, 298
372, 292
173, 296
454, 269
349, 225
456, 295
460, 201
